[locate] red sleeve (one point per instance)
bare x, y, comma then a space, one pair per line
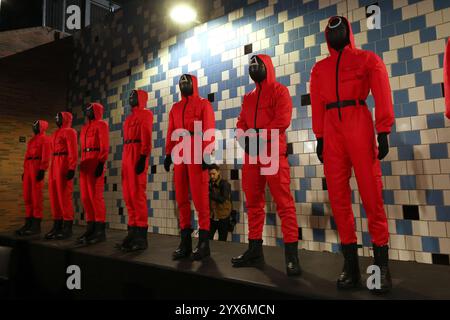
170, 129
208, 122
103, 133
45, 153
26, 154
283, 114
241, 124
72, 148
447, 79
146, 133
317, 104
381, 91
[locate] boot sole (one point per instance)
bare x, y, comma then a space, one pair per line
250, 264
355, 285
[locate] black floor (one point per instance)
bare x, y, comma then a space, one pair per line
40, 269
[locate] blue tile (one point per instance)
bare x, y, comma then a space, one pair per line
435, 120
428, 34
423, 78
403, 227
408, 182
405, 152
434, 197
414, 65
405, 54
430, 244
439, 151
319, 235
271, 219
443, 213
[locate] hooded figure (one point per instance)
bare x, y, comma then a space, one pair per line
60, 182
267, 107
345, 132
37, 159
447, 79
137, 145
192, 175
94, 140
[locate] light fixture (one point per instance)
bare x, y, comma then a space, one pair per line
183, 14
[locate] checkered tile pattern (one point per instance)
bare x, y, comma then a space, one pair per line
134, 51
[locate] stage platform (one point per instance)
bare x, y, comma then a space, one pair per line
39, 271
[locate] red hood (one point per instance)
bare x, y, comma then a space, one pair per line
43, 126
270, 77
194, 87
67, 119
142, 99
98, 110
350, 36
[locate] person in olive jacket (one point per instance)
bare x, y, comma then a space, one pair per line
220, 203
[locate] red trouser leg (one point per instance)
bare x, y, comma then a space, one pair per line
85, 197
97, 188
64, 189
363, 154
182, 194
27, 193
127, 187
253, 185
53, 192
37, 197
140, 198
281, 193
199, 184
337, 168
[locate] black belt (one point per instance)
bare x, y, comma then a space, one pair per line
132, 141
60, 153
91, 149
345, 103
33, 158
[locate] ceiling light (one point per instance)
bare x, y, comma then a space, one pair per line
183, 14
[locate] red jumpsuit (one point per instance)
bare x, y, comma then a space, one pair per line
268, 106
37, 157
94, 149
447, 79
190, 175
348, 133
137, 140
64, 158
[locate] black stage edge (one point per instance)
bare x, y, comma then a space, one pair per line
39, 271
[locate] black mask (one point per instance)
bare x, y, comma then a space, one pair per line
90, 112
338, 33
133, 99
257, 69
36, 127
59, 119
185, 84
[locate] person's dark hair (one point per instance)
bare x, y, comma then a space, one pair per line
214, 167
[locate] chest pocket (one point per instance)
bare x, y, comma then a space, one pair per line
264, 112
60, 143
351, 73
132, 129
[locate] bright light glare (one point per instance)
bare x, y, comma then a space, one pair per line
183, 14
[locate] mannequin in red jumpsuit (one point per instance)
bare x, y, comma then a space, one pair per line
137, 145
345, 133
447, 79
60, 180
94, 140
37, 158
267, 107
191, 174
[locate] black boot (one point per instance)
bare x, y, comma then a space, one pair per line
139, 241
57, 227
253, 257
291, 257
381, 259
89, 231
202, 250
350, 276
184, 250
35, 227
125, 244
66, 231
98, 234
26, 226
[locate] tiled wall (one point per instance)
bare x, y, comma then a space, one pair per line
130, 53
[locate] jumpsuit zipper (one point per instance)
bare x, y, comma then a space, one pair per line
337, 84
85, 136
184, 109
257, 104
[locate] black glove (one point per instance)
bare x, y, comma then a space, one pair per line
167, 162
245, 142
40, 175
140, 165
319, 149
22, 176
99, 169
70, 174
383, 145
